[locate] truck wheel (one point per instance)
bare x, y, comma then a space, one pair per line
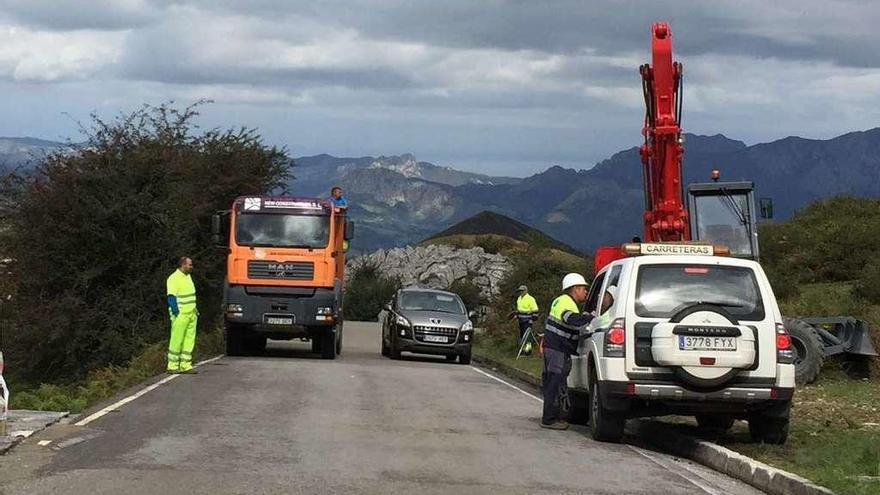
234, 340
328, 344
808, 347
465, 357
605, 425
710, 422
579, 408
770, 426
255, 345
316, 344
339, 341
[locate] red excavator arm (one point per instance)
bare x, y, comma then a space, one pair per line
665, 216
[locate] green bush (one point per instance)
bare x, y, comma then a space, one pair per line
367, 291
95, 232
868, 286
469, 293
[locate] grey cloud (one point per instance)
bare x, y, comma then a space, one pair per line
66, 15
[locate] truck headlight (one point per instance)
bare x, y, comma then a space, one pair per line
234, 308
325, 311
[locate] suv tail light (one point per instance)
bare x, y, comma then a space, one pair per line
615, 339
785, 353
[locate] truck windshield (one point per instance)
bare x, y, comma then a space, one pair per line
725, 219
282, 230
663, 290
431, 301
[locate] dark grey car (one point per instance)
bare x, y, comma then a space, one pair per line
427, 321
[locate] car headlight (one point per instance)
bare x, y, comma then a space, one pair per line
403, 321
468, 326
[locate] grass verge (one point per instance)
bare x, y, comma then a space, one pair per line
105, 382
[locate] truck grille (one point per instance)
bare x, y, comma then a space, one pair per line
422, 331
274, 270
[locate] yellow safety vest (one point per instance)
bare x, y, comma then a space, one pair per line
181, 286
526, 304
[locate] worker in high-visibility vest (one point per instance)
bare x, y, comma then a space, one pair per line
565, 325
181, 297
526, 312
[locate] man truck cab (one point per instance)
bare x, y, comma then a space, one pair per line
690, 332
284, 273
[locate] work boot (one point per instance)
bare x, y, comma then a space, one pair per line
556, 425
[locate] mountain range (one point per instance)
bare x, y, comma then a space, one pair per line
398, 200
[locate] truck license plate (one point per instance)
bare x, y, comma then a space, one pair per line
274, 320
695, 343
435, 338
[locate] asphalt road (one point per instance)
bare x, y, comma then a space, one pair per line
292, 423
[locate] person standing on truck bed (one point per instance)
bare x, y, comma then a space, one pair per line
181, 298
563, 329
337, 199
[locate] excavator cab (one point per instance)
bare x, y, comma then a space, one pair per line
724, 213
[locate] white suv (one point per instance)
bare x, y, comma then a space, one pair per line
689, 334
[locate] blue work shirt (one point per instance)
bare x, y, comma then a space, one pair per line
339, 203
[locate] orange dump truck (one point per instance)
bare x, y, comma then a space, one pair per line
284, 273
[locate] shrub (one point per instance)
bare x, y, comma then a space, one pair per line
95, 232
868, 286
469, 293
367, 291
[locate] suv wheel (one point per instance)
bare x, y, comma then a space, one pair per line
465, 357
710, 422
605, 425
394, 352
771, 425
808, 348
579, 407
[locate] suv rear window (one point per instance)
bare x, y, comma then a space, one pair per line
663, 290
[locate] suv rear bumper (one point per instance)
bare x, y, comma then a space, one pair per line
652, 399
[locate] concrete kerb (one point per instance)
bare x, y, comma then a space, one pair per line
665, 438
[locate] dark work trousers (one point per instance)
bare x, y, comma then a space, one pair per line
557, 365
524, 323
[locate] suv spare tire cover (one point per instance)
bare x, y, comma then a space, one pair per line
699, 376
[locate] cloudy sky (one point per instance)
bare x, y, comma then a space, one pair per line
503, 87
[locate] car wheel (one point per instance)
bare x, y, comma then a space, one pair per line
711, 422
234, 340
394, 352
579, 407
451, 357
328, 344
605, 425
770, 426
465, 357
808, 347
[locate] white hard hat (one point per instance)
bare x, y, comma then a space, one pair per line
573, 279
612, 290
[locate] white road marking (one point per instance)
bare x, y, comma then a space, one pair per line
478, 370
143, 391
697, 480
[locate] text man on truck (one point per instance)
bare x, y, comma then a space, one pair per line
284, 273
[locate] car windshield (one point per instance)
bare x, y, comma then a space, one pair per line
282, 230
663, 290
431, 301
